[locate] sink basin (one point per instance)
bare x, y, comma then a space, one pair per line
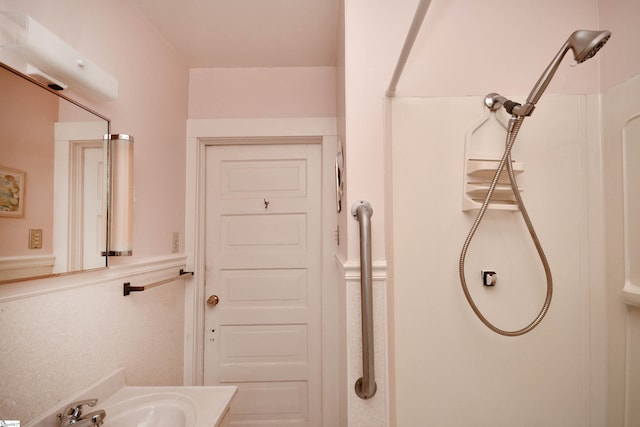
149, 406
166, 406
152, 410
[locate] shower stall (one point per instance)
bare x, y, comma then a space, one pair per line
445, 367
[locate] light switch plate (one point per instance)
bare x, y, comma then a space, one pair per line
35, 238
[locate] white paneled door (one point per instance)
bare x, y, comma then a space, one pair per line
93, 190
263, 281
86, 179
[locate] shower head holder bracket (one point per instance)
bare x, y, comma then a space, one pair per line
494, 101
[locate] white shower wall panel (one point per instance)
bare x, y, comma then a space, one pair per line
450, 370
621, 136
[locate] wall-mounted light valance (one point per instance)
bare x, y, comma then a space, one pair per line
29, 47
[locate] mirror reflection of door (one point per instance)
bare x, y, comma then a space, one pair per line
86, 205
79, 194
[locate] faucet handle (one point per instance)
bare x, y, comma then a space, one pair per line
74, 410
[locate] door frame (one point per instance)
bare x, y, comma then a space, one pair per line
77, 237
204, 132
70, 139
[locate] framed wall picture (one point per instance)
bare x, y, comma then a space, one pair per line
11, 192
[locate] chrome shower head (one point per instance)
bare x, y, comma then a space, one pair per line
584, 44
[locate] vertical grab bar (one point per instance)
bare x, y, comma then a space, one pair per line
366, 385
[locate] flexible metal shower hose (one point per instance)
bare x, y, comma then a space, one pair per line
514, 127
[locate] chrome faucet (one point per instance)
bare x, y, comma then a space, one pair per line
73, 416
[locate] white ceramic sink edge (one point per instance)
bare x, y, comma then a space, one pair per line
201, 406
198, 406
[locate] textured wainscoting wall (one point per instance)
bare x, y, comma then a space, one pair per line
372, 412
61, 335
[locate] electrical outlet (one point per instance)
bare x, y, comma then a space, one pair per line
175, 242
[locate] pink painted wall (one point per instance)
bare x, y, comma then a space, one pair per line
473, 48
620, 60
262, 92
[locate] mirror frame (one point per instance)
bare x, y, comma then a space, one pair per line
107, 181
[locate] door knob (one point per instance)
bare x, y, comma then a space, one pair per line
213, 300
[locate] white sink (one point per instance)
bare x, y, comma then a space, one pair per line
152, 410
166, 406
162, 406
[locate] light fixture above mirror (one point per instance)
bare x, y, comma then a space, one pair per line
32, 49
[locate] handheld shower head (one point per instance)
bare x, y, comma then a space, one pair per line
584, 44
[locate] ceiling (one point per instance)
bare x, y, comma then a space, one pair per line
247, 33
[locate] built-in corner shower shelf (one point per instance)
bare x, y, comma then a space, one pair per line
483, 144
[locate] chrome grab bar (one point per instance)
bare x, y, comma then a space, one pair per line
366, 385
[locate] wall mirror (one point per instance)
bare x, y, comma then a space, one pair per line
53, 181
